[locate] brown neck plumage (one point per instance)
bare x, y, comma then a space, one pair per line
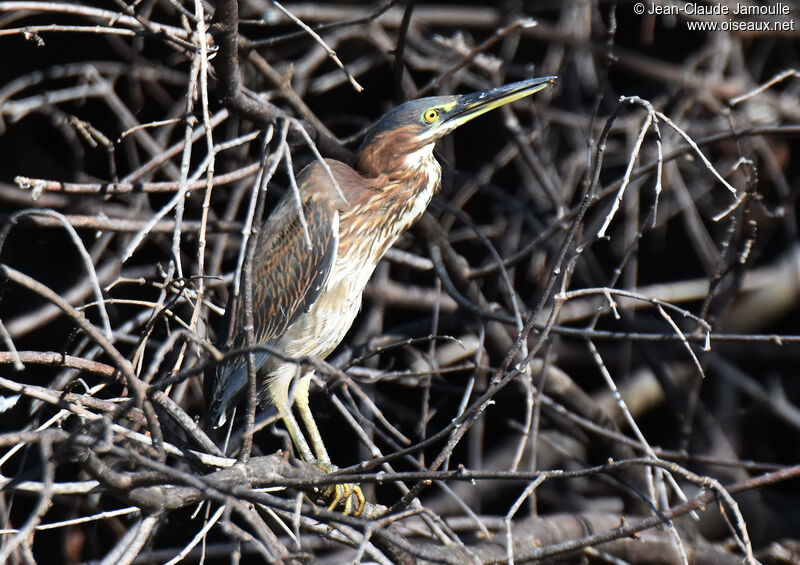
384, 184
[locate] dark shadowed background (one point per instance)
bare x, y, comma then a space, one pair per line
633, 229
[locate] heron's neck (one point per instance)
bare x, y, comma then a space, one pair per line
421, 179
399, 197
422, 157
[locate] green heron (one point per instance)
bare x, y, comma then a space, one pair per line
306, 294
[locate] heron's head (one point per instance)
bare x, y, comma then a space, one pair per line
411, 126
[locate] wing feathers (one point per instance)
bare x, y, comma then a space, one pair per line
288, 277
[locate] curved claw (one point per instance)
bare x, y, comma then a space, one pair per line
345, 491
342, 492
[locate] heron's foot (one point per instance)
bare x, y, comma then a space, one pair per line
341, 494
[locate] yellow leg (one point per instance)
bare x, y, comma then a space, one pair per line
337, 493
279, 390
301, 401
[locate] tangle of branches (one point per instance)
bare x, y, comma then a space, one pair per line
585, 351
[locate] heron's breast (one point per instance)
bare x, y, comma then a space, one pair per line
322, 328
366, 231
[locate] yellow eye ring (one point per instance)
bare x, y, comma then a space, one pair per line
430, 115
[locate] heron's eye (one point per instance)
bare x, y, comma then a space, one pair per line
430, 115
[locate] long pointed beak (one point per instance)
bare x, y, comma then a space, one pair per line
469, 106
